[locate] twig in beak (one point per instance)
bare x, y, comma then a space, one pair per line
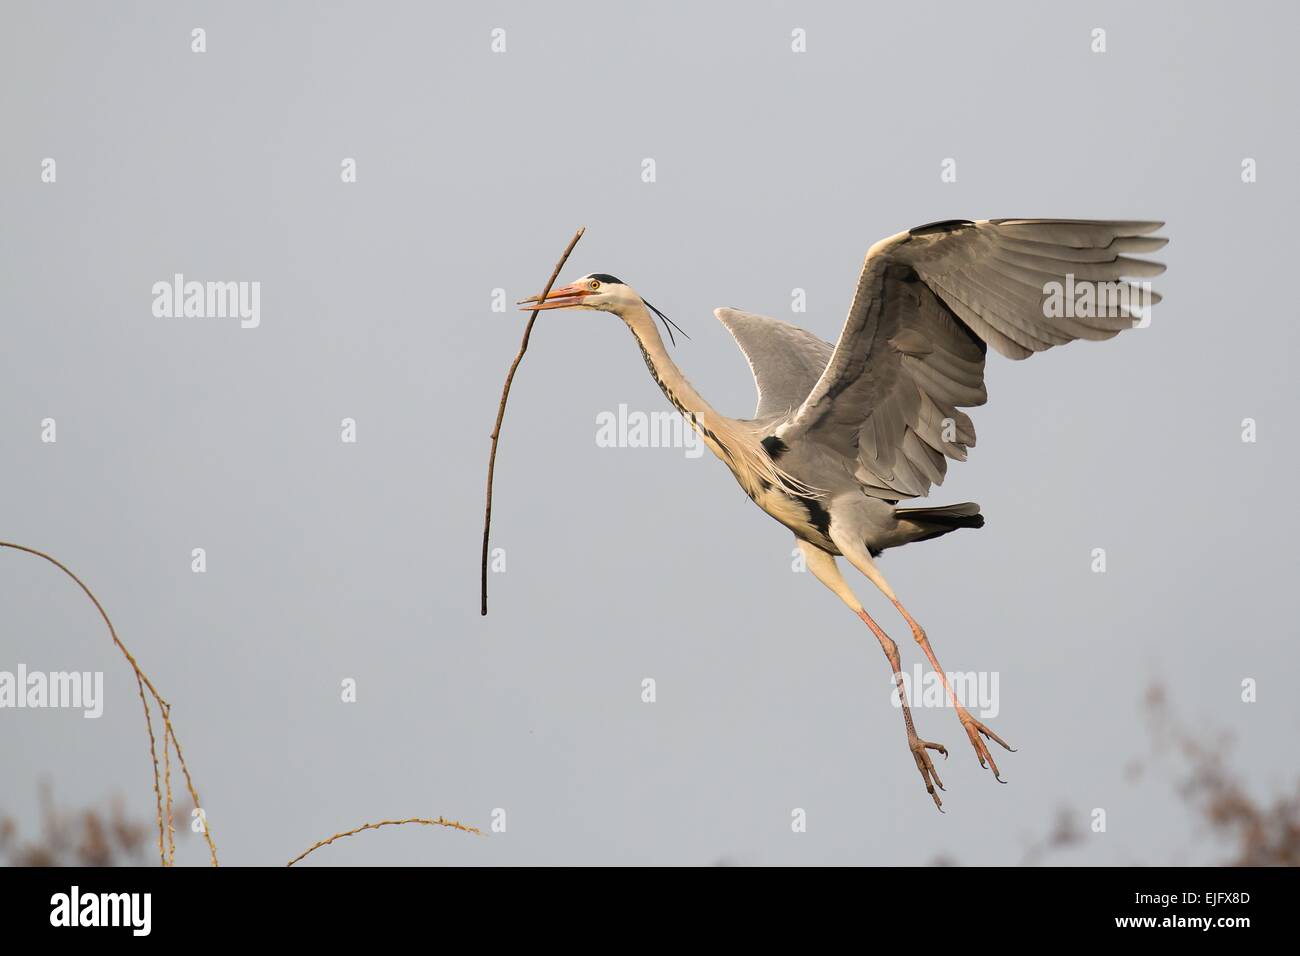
501, 409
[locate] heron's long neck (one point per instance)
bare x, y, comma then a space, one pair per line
665, 372
727, 438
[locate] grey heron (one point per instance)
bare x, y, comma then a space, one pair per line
842, 434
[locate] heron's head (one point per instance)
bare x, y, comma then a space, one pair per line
601, 292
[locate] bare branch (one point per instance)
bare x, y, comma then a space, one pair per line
440, 822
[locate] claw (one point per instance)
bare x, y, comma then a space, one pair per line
926, 766
973, 730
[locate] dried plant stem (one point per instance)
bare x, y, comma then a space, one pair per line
501, 409
167, 776
166, 832
440, 822
189, 785
153, 758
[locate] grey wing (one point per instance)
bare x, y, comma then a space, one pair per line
929, 302
786, 361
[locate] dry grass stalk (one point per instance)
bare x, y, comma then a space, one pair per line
501, 409
1261, 832
1255, 831
440, 822
86, 837
166, 831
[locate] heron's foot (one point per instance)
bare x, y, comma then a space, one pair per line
926, 766
973, 730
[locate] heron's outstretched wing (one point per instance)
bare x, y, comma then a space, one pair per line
786, 360
929, 301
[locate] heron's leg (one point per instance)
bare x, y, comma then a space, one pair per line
860, 558
822, 565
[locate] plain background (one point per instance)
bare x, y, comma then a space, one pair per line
775, 171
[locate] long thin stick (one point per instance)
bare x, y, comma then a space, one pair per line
440, 822
501, 409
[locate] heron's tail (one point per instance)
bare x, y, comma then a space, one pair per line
945, 518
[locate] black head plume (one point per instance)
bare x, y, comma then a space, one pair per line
669, 324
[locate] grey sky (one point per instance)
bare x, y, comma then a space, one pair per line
775, 170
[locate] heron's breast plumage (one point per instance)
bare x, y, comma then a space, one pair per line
807, 517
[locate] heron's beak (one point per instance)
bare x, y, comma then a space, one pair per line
562, 298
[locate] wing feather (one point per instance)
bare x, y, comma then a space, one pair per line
928, 304
785, 360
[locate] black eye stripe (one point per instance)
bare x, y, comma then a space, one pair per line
606, 278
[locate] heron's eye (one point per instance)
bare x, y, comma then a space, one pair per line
594, 285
